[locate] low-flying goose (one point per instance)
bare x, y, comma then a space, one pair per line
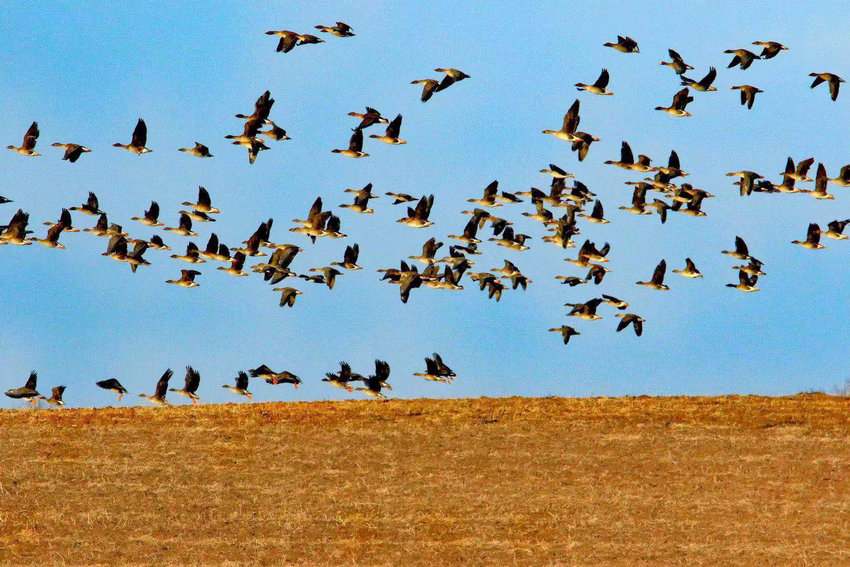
677, 64
624, 45
158, 397
566, 332
771, 48
113, 385
374, 383
599, 87
392, 133
745, 283
241, 387
355, 146
657, 280
343, 378
140, 138
272, 377
812, 241
187, 279
833, 80
55, 398
72, 151
28, 392
748, 94
680, 101
690, 270
703, 84
28, 146
742, 57
436, 370
341, 29
287, 295
199, 150
627, 319
190, 387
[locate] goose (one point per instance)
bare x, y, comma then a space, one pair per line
843, 178
327, 277
400, 197
418, 217
112, 385
627, 160
52, 238
455, 74
4, 200
566, 332
187, 279
355, 146
90, 207
489, 198
596, 215
470, 232
690, 270
745, 283
704, 84
140, 138
101, 226
582, 144
65, 219
287, 296
436, 370
28, 392
16, 231
349, 258
370, 117
192, 255
272, 377
55, 398
624, 45
274, 132
596, 273
392, 132
571, 281
680, 101
365, 192
511, 240
742, 57
429, 249
288, 40
199, 150
812, 241
751, 269
236, 265
408, 282
204, 204
833, 80
374, 383
343, 378
429, 87
588, 253
158, 397
190, 387
263, 104
748, 94
597, 88
249, 133
677, 64
800, 173
157, 243
657, 280
28, 146
72, 151
307, 39
672, 170
569, 126
771, 48
614, 302
836, 230
627, 319
557, 172
360, 205
586, 311
748, 179
184, 228
197, 216
819, 191
341, 29
741, 251
241, 387
151, 216
638, 203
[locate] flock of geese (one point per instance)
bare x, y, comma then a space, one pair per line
575, 203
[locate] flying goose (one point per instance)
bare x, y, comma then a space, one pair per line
690, 270
843, 178
52, 238
635, 321
184, 228
90, 207
429, 87
751, 269
158, 397
187, 279
288, 40
418, 217
343, 378
192, 255
190, 387
624, 45
370, 117
28, 392
748, 94
274, 132
113, 385
566, 332
586, 311
703, 84
741, 251
436, 371
28, 146
557, 172
489, 198
742, 57
199, 150
374, 383
140, 138
157, 243
627, 160
72, 151
599, 87
355, 146
16, 231
204, 204
391, 134
812, 241
151, 217
264, 103
746, 283
341, 29
272, 377
400, 197
287, 295
677, 64
55, 398
327, 276
657, 280
510, 240
596, 215
836, 230
349, 258
429, 249
236, 265
680, 101
241, 387
65, 219
771, 48
833, 80
361, 204
614, 302
819, 191
568, 128
307, 39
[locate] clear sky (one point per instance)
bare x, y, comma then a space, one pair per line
86, 72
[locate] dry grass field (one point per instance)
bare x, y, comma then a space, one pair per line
637, 481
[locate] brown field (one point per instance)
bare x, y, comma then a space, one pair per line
638, 481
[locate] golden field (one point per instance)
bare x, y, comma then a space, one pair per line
605, 481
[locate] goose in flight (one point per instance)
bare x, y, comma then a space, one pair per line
566, 332
241, 387
187, 279
742, 57
112, 385
627, 319
833, 80
657, 280
745, 283
599, 87
771, 48
158, 397
199, 150
677, 64
748, 94
28, 391
680, 101
355, 146
392, 133
190, 388
690, 270
140, 138
341, 29
27, 148
624, 45
812, 241
72, 151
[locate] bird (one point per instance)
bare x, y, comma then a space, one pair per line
375, 383
341, 29
355, 146
742, 57
113, 385
27, 148
192, 255
137, 143
614, 302
287, 296
557, 172
800, 173
370, 117
833, 80
307, 39
349, 261
624, 45
657, 280
812, 241
819, 191
16, 231
429, 87
190, 387
745, 283
748, 179
586, 311
703, 84
151, 216
327, 276
771, 48
741, 251
627, 160
680, 101
343, 378
489, 198
52, 238
843, 178
28, 392
158, 397
566, 332
55, 398
241, 387
690, 270
434, 372
72, 151
569, 126
596, 215
199, 150
836, 230
187, 279
274, 132
263, 104
184, 228
418, 217
391, 134
627, 319
288, 40
677, 64
236, 265
400, 197
751, 269
272, 377
748, 94
599, 87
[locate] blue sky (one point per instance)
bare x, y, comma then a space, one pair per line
86, 73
